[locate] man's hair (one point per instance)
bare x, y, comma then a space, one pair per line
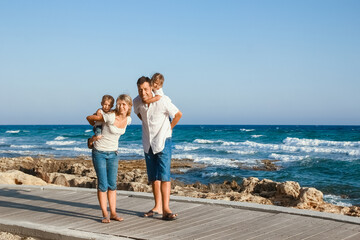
106, 98
142, 80
157, 77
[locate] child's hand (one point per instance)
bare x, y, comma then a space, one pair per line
95, 138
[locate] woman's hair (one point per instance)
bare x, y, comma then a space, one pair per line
157, 77
127, 99
106, 98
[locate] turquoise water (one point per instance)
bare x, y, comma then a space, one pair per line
324, 157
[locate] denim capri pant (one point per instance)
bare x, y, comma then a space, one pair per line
158, 165
106, 168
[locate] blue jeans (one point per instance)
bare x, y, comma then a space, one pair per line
158, 165
106, 167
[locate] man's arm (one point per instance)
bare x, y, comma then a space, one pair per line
176, 119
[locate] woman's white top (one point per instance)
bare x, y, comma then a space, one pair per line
110, 134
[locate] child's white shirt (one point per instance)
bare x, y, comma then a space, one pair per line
98, 123
159, 92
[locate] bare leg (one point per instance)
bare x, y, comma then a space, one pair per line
156, 186
102, 197
165, 192
112, 204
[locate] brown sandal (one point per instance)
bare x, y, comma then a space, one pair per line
105, 220
169, 216
151, 213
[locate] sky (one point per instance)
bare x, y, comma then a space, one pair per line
224, 62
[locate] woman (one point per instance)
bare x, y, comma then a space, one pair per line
104, 154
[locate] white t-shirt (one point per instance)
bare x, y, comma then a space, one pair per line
159, 92
110, 134
155, 122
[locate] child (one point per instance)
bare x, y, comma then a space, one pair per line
157, 81
107, 103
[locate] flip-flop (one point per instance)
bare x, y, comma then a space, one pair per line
105, 220
151, 213
169, 216
117, 218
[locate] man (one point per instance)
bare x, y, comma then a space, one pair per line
156, 139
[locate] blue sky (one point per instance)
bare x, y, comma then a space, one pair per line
224, 62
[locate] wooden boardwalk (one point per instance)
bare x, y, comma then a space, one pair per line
72, 213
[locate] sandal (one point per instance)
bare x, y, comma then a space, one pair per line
169, 216
117, 218
151, 213
105, 220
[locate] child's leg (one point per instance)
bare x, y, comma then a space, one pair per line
97, 130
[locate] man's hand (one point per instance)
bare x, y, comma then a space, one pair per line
176, 119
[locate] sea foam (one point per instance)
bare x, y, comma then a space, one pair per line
317, 142
60, 142
59, 138
13, 131
23, 146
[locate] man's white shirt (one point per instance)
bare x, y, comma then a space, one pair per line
155, 122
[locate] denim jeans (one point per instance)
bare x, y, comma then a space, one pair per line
106, 167
158, 165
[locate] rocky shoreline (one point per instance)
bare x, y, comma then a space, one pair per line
132, 176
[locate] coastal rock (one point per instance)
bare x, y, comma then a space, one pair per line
20, 178
61, 180
310, 198
288, 189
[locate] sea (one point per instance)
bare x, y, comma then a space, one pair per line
324, 157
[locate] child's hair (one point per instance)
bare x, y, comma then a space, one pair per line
127, 99
157, 77
106, 98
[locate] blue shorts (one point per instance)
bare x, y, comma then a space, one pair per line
158, 165
106, 167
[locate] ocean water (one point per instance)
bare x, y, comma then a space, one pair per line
324, 157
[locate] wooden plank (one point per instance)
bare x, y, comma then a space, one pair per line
164, 226
302, 225
353, 237
339, 232
234, 219
324, 226
203, 225
253, 228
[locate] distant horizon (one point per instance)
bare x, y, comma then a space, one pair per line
179, 124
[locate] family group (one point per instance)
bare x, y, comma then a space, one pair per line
158, 116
